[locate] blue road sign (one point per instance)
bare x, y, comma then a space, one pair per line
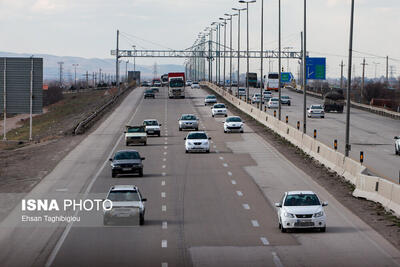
316, 68
286, 77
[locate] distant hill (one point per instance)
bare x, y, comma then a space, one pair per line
51, 68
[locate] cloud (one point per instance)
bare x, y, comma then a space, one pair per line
48, 5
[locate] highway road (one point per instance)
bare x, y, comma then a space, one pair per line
211, 209
370, 133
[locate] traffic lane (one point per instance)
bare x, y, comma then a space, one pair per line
369, 133
345, 232
21, 243
347, 240
123, 244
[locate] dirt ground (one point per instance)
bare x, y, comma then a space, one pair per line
371, 213
24, 164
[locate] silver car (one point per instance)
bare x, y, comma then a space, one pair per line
210, 99
188, 121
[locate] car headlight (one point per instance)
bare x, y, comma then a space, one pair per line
205, 143
288, 215
319, 214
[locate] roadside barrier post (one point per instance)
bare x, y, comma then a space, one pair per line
335, 144
361, 157
298, 125
287, 118
315, 133
275, 113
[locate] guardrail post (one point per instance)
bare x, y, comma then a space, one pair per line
335, 144
258, 105
287, 118
315, 133
298, 125
275, 113
265, 109
361, 157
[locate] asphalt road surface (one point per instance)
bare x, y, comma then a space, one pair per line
211, 209
371, 133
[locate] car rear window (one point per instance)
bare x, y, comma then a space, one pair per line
274, 99
211, 96
219, 106
233, 119
123, 195
316, 107
136, 130
127, 155
197, 136
302, 200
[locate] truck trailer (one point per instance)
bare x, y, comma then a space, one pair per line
176, 85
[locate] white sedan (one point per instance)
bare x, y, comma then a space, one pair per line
195, 85
197, 142
233, 124
301, 209
219, 109
273, 103
316, 111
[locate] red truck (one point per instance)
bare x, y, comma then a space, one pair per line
176, 85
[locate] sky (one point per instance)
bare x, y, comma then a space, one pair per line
87, 28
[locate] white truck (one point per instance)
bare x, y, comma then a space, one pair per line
176, 85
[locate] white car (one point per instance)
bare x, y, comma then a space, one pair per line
210, 99
188, 83
219, 109
301, 209
152, 127
316, 111
195, 85
273, 103
197, 142
233, 124
256, 98
397, 145
127, 205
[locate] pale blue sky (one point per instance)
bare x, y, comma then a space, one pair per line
87, 28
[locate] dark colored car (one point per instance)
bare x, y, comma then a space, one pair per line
126, 162
149, 93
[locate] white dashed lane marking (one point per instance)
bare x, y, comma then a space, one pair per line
164, 207
233, 182
163, 195
163, 183
225, 165
164, 225
164, 264
216, 151
163, 174
264, 240
229, 173
255, 223
164, 243
165, 153
246, 206
221, 158
163, 166
165, 147
276, 259
239, 193
164, 159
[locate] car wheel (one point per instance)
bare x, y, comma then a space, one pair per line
280, 226
197, 128
205, 104
208, 151
323, 117
289, 104
113, 175
241, 131
186, 151
159, 134
322, 229
141, 173
226, 115
212, 115
283, 229
141, 220
224, 131
180, 129
145, 143
126, 143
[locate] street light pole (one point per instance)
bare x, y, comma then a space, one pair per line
279, 63
348, 148
134, 61
262, 53
224, 19
238, 57
75, 65
305, 69
247, 73
231, 51
287, 48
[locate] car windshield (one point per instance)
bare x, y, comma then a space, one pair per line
302, 200
149, 91
150, 123
195, 83
274, 99
233, 119
219, 106
123, 195
316, 107
284, 97
126, 155
176, 83
273, 76
256, 95
211, 97
188, 117
197, 136
135, 130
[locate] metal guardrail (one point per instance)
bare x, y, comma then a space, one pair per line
380, 111
79, 129
85, 90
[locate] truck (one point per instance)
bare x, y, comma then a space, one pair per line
176, 85
252, 78
272, 83
164, 80
334, 101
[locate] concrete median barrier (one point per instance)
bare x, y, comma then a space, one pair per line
370, 187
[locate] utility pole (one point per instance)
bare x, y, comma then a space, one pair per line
387, 69
280, 62
341, 74
100, 75
305, 69
262, 53
75, 65
376, 65
61, 72
126, 70
363, 77
348, 147
117, 62
134, 58
87, 79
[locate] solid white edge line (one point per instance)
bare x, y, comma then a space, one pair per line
64, 235
164, 264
